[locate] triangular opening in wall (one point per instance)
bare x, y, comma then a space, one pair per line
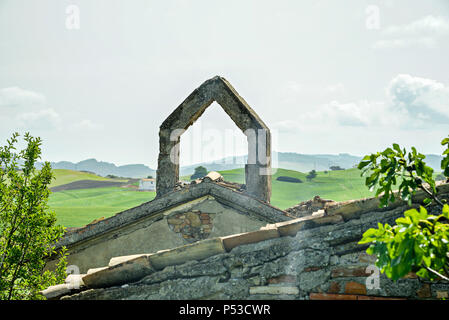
214, 137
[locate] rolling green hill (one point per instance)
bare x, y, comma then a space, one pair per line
335, 185
76, 208
64, 176
103, 168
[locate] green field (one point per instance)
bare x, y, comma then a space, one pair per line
75, 208
63, 176
335, 185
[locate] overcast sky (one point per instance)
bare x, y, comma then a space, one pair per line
96, 78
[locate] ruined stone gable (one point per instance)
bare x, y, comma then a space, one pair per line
190, 213
312, 257
187, 213
216, 240
258, 168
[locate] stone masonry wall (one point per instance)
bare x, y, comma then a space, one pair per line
193, 225
193, 221
323, 260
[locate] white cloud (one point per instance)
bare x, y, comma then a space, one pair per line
45, 119
351, 114
27, 110
426, 32
24, 110
420, 98
16, 97
429, 25
332, 117
410, 103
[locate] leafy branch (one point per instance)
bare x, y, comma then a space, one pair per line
28, 230
419, 241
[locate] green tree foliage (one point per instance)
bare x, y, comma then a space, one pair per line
312, 174
419, 242
27, 227
445, 161
199, 173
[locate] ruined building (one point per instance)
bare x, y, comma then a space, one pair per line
213, 239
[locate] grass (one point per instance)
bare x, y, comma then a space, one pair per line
75, 208
64, 176
335, 185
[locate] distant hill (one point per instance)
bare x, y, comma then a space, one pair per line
106, 168
285, 160
65, 176
318, 162
297, 161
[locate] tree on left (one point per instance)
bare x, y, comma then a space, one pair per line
28, 229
